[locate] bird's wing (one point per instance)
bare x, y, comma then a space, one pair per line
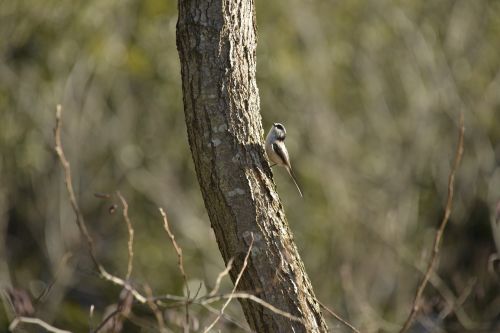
280, 150
282, 153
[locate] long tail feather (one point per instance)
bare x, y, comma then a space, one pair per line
290, 172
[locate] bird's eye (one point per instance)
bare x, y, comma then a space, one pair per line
280, 127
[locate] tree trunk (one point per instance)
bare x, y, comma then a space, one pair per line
216, 41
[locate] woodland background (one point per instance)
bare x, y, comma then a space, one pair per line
370, 93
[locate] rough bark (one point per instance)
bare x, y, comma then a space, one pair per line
216, 41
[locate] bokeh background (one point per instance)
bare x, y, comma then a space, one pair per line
370, 93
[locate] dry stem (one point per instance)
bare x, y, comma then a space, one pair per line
178, 250
130, 235
156, 311
252, 298
230, 319
64, 260
245, 262
203, 301
339, 318
35, 321
80, 221
220, 276
440, 231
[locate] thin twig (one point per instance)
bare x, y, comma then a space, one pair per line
69, 186
64, 260
203, 301
130, 230
339, 318
435, 280
364, 308
156, 311
461, 298
198, 290
440, 231
170, 297
180, 301
245, 262
220, 276
35, 321
105, 320
228, 318
123, 310
252, 298
211, 298
178, 250
80, 221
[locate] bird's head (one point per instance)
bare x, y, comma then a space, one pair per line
280, 131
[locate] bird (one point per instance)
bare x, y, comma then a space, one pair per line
276, 150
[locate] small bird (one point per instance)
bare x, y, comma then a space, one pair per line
277, 152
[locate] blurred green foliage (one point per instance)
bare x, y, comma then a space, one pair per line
370, 93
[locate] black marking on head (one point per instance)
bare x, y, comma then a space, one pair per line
280, 131
279, 126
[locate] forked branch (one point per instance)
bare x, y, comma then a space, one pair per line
80, 221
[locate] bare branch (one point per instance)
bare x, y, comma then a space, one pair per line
245, 262
339, 318
215, 298
228, 318
80, 221
122, 311
130, 235
460, 300
354, 299
220, 276
35, 321
435, 280
64, 260
136, 294
252, 298
69, 186
105, 320
156, 311
212, 297
178, 250
440, 231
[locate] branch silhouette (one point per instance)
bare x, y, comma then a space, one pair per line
442, 226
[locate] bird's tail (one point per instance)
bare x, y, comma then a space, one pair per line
292, 175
